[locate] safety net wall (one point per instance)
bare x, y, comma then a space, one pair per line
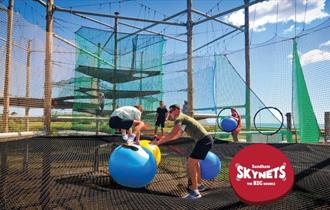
27, 72
44, 173
82, 67
275, 81
26, 61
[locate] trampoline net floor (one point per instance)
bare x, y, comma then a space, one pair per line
72, 173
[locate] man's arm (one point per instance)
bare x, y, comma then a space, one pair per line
176, 132
166, 115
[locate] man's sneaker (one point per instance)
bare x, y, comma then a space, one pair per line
192, 195
201, 188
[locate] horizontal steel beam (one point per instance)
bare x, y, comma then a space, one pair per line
60, 9
216, 19
229, 11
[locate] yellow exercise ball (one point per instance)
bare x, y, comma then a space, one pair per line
152, 148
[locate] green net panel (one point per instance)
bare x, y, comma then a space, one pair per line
125, 68
305, 122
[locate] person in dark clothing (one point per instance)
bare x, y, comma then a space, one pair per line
101, 100
160, 117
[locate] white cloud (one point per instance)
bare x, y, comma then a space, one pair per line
280, 11
288, 30
314, 56
325, 44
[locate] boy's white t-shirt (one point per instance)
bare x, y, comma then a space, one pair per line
127, 113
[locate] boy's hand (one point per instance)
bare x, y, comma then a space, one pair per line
154, 142
146, 126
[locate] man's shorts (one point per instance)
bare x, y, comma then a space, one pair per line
118, 123
202, 147
160, 123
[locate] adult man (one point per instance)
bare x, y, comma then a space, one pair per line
160, 117
203, 143
126, 117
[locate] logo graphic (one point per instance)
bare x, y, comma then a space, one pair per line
261, 174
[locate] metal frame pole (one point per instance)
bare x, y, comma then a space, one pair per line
229, 11
190, 93
27, 85
115, 62
247, 70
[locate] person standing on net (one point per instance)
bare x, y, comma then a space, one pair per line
185, 107
237, 117
203, 143
101, 100
126, 117
160, 118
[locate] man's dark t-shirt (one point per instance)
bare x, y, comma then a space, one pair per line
161, 114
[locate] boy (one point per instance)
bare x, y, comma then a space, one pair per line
126, 117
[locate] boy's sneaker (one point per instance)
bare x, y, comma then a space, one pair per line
131, 138
129, 143
192, 195
125, 137
201, 188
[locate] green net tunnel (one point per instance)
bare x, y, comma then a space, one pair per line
127, 71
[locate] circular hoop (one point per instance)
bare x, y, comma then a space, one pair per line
218, 116
276, 131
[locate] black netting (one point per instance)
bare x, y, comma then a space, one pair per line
72, 173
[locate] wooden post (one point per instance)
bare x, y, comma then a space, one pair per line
27, 85
114, 100
289, 126
327, 126
247, 72
48, 67
6, 99
190, 94
288, 121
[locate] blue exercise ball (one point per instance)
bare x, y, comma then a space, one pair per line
210, 166
229, 124
132, 166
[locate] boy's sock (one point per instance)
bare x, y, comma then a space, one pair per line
124, 135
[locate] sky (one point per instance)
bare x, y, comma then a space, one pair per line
275, 18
